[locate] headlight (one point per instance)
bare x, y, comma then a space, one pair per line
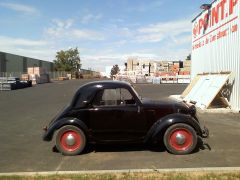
192, 110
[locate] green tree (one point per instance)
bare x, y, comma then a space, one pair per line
68, 60
189, 57
115, 69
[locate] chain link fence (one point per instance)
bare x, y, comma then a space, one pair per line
56, 75
52, 75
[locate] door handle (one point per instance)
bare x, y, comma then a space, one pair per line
138, 109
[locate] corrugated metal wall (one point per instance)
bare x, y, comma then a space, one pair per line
14, 63
46, 65
11, 63
2, 62
32, 62
223, 53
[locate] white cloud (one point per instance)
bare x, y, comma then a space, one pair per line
62, 29
174, 54
119, 43
125, 31
86, 34
175, 26
157, 32
39, 53
100, 60
43, 53
59, 28
9, 41
143, 7
63, 24
117, 20
90, 17
179, 40
26, 47
20, 8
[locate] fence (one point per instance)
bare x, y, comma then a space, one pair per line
52, 75
181, 79
11, 74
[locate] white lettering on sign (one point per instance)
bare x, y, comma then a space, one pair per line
206, 29
213, 17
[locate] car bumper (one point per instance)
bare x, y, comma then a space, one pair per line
45, 135
205, 132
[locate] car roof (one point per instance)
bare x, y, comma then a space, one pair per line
88, 90
92, 87
108, 83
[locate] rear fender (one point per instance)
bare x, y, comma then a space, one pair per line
48, 135
158, 129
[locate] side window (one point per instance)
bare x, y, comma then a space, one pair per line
79, 102
113, 97
126, 97
110, 97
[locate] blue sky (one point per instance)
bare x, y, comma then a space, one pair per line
106, 32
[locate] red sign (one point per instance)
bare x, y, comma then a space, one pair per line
214, 16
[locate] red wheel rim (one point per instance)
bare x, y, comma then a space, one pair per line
75, 140
181, 139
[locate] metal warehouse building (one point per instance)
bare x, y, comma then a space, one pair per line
216, 43
10, 63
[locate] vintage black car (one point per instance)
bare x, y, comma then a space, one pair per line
113, 112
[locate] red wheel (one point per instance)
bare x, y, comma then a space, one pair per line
70, 140
180, 139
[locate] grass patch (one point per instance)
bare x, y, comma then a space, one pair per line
132, 176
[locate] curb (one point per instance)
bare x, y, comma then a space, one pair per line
207, 169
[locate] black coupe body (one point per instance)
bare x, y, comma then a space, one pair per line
113, 112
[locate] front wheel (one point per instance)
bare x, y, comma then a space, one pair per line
180, 139
70, 140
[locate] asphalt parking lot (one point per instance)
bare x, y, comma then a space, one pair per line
24, 112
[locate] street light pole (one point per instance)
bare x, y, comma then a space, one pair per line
149, 69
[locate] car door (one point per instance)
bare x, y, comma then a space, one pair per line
116, 116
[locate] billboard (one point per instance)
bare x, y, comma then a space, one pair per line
216, 43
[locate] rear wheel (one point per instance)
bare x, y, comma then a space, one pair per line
70, 140
180, 139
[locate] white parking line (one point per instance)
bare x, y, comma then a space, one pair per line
61, 163
204, 169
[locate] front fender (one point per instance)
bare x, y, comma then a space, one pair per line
48, 134
158, 129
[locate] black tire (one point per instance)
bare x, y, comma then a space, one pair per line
187, 141
75, 144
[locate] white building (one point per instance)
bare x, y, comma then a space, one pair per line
216, 44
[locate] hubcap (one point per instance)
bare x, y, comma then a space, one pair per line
70, 140
180, 139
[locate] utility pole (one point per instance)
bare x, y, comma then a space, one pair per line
149, 69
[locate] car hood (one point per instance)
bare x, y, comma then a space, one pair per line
169, 103
164, 101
